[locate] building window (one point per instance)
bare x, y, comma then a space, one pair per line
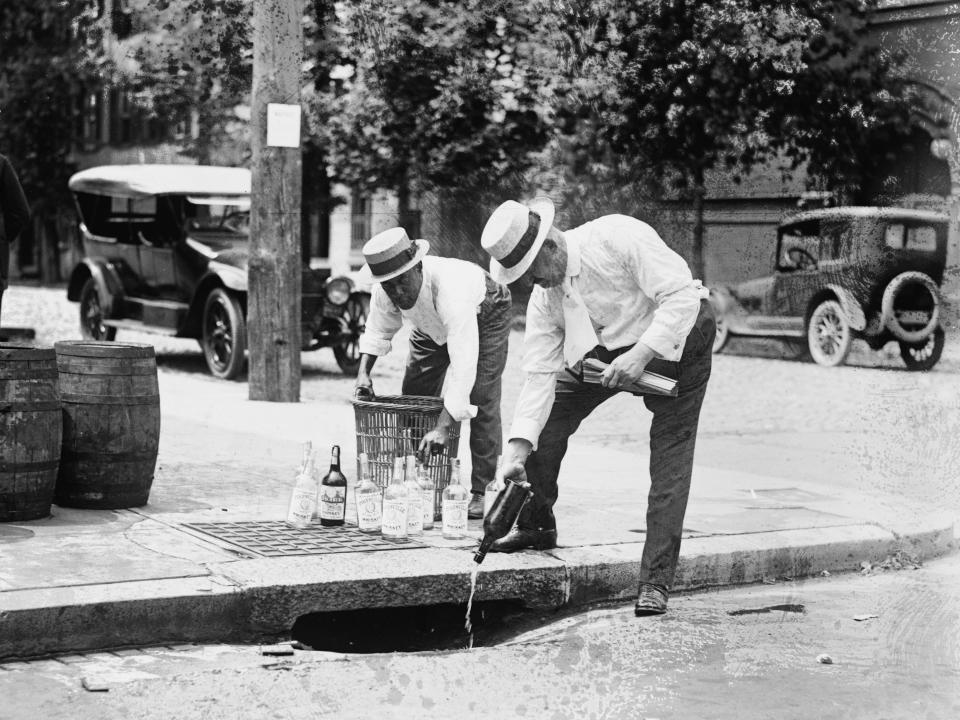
360, 218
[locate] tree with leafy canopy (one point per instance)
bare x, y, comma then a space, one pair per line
187, 58
196, 56
450, 96
669, 90
48, 51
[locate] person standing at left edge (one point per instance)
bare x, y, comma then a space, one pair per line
611, 290
14, 214
459, 321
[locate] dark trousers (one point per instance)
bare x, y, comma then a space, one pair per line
673, 435
427, 366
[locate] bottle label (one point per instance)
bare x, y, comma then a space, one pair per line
414, 514
394, 521
428, 506
302, 504
455, 515
369, 511
333, 502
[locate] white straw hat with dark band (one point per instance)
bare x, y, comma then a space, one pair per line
513, 236
392, 253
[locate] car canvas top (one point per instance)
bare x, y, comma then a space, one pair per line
138, 181
881, 213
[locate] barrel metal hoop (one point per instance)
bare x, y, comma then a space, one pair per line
32, 406
87, 399
35, 466
9, 373
69, 455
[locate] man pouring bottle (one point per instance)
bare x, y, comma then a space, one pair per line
611, 291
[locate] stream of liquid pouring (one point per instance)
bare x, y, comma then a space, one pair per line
468, 626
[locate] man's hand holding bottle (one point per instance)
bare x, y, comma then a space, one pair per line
363, 388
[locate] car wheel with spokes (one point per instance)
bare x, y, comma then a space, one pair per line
829, 336
924, 355
91, 314
347, 353
224, 339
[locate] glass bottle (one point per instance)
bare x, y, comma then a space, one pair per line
414, 499
333, 493
503, 515
303, 498
368, 499
427, 491
456, 498
493, 488
393, 524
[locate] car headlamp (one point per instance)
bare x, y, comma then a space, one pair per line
338, 291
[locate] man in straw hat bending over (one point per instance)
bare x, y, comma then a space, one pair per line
612, 290
460, 325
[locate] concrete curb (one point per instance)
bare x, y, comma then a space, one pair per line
247, 600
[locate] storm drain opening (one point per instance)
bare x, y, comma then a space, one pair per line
408, 629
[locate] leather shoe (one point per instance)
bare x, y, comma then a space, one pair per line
651, 600
521, 539
475, 508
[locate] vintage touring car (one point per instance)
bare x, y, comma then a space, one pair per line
842, 273
165, 251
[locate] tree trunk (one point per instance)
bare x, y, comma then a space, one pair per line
274, 272
696, 251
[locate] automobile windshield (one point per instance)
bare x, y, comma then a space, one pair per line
218, 215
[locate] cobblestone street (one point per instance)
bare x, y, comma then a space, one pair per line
869, 425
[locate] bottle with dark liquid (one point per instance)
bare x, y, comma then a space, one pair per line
502, 516
333, 492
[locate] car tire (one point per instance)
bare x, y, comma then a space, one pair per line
91, 314
829, 336
894, 292
723, 332
923, 355
224, 339
355, 313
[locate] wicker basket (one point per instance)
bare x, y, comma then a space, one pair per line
393, 425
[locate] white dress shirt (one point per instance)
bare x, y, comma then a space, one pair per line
634, 287
446, 310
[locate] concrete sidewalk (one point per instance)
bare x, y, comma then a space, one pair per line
86, 579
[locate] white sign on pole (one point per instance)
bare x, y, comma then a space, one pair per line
283, 125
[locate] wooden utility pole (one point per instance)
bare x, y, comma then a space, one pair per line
273, 312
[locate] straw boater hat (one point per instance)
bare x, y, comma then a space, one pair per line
392, 253
514, 235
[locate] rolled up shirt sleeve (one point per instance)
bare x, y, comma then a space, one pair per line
664, 277
383, 322
459, 315
542, 362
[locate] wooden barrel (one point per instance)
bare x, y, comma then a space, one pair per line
111, 424
30, 428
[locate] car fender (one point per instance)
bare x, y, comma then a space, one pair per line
232, 277
856, 318
721, 299
362, 279
104, 275
726, 307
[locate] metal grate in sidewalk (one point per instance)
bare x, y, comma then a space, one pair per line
274, 538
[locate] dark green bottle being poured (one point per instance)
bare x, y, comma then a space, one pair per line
502, 516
